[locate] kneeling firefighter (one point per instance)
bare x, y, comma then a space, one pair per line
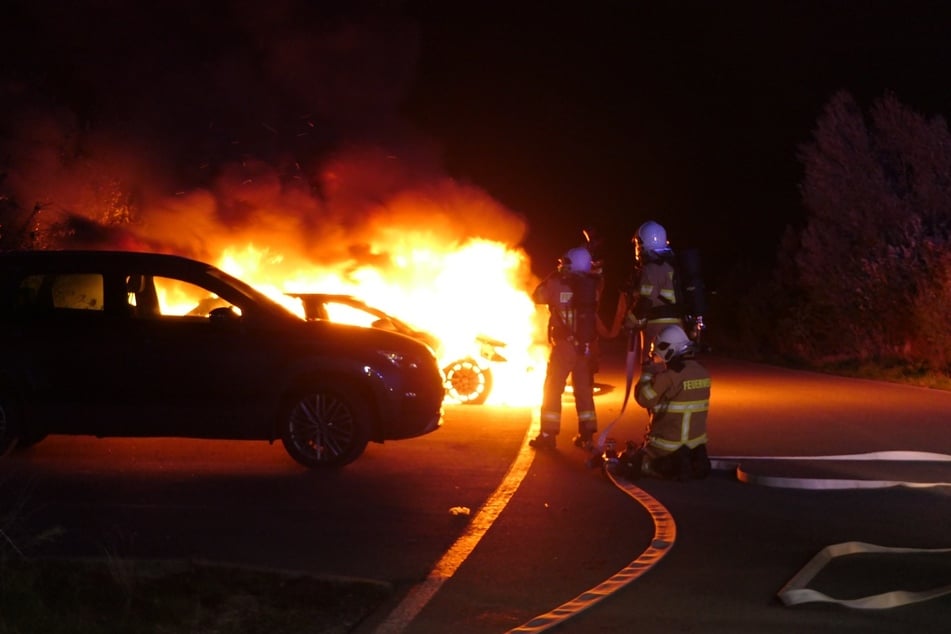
571, 296
675, 389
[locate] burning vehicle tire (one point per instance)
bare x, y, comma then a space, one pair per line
325, 427
467, 382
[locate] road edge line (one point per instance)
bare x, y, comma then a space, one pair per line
420, 594
665, 534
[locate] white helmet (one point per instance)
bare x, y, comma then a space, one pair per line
650, 238
671, 342
577, 260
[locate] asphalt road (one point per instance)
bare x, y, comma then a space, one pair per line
566, 528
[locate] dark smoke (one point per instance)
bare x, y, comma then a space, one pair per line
183, 126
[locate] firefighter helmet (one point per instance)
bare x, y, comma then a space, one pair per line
577, 260
650, 239
670, 343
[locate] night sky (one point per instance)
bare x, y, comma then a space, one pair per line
599, 113
688, 113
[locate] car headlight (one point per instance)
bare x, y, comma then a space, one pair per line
399, 359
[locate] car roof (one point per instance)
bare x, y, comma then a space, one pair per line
117, 261
100, 257
77, 259
328, 297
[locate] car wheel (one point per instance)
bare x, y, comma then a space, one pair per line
325, 427
468, 382
9, 422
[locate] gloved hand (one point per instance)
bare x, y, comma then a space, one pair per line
631, 322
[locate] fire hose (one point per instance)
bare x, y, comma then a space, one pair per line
796, 590
633, 354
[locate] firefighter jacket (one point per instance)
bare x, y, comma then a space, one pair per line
678, 398
654, 296
572, 300
572, 332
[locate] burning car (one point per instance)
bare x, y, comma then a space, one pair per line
468, 379
113, 343
350, 310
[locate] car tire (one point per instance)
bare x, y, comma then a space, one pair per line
9, 421
326, 426
467, 382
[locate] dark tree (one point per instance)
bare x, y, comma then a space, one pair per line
873, 255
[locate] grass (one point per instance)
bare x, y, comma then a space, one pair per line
165, 597
892, 373
118, 594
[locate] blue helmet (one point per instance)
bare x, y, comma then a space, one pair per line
577, 260
650, 240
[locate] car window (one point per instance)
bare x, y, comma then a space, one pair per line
28, 294
80, 292
69, 291
179, 298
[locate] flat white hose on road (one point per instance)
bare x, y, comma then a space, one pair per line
735, 463
665, 533
795, 591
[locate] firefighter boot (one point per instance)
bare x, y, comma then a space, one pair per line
611, 457
543, 440
631, 463
583, 441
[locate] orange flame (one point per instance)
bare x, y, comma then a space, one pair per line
481, 287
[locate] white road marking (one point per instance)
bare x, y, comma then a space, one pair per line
420, 594
665, 534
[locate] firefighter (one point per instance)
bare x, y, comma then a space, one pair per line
652, 302
675, 389
570, 293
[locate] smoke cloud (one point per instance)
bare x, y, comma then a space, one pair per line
187, 127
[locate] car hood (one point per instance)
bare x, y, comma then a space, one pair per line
369, 338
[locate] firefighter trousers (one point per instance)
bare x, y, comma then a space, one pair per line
565, 360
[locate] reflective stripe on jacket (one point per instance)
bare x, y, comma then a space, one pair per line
678, 399
656, 298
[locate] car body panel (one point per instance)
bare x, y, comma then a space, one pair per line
90, 346
467, 379
321, 306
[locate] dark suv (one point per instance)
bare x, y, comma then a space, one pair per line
114, 343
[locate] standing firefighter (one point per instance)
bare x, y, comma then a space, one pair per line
571, 295
653, 302
675, 389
